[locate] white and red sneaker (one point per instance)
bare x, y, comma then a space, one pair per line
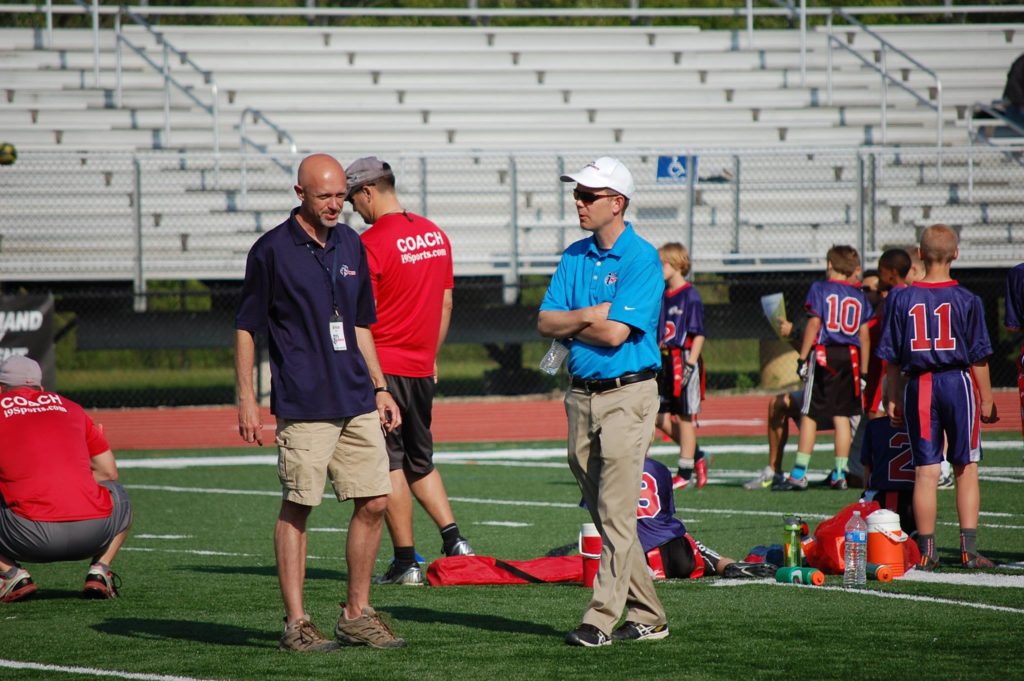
17, 587
101, 582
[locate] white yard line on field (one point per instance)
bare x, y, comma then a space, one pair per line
511, 502
877, 594
519, 454
209, 552
161, 536
91, 671
966, 579
502, 523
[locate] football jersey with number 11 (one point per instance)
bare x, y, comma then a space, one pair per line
934, 327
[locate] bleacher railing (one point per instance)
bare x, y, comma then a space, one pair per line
471, 11
156, 216
884, 48
212, 108
976, 133
245, 142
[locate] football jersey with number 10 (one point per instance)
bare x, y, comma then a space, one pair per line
842, 308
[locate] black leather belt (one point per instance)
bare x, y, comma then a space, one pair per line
600, 385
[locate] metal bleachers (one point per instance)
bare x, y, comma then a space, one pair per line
480, 121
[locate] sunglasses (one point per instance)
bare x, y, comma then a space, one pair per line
589, 197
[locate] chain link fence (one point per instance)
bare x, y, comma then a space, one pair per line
144, 253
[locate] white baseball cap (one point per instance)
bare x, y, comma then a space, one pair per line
605, 172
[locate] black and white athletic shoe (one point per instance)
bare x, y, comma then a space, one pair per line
634, 631
744, 570
588, 636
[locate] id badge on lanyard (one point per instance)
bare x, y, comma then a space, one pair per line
335, 326
338, 333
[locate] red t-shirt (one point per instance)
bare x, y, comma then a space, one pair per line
46, 445
410, 267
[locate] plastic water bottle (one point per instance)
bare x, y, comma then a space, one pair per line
554, 357
856, 553
791, 541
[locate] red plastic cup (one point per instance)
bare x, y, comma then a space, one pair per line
590, 549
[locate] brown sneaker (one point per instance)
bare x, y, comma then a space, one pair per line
976, 562
366, 630
302, 636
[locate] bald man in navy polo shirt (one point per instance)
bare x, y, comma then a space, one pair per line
307, 286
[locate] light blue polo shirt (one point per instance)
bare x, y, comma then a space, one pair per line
629, 276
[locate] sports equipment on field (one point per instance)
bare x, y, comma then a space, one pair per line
8, 154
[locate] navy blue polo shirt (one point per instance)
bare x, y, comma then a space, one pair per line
288, 295
629, 276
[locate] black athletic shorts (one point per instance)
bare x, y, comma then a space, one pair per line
411, 445
832, 390
680, 560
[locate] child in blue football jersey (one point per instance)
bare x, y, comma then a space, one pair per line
1014, 321
681, 381
889, 470
670, 550
937, 346
833, 362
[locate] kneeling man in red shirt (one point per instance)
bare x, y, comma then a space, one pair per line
59, 495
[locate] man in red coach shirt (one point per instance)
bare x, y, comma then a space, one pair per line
59, 495
410, 262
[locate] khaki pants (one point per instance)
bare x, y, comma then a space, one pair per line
609, 434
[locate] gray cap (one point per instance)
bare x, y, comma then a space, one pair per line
365, 170
18, 370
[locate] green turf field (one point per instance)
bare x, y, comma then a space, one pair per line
200, 599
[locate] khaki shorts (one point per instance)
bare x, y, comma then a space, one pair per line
348, 451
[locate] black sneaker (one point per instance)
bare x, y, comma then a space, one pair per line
589, 636
790, 484
744, 570
408, 575
459, 548
634, 631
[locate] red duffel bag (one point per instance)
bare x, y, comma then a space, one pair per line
476, 570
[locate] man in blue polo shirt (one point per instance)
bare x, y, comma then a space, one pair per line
603, 301
307, 286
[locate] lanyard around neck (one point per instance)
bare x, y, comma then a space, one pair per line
329, 272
